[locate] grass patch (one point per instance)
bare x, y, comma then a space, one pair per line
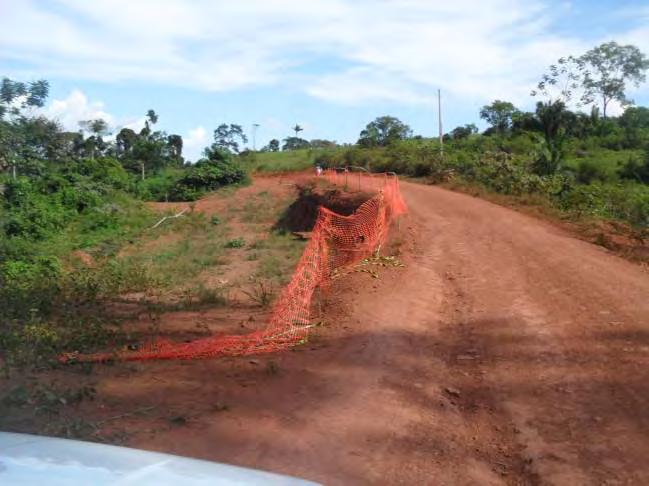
607, 162
262, 208
289, 161
199, 245
261, 293
200, 295
278, 257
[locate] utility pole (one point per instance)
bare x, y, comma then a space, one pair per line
254, 136
439, 112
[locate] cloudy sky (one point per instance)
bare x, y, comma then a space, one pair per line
329, 65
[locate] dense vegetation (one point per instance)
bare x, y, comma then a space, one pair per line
61, 192
601, 172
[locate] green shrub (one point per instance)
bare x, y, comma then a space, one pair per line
635, 170
206, 175
589, 171
330, 159
28, 286
236, 243
159, 186
30, 213
115, 277
628, 202
79, 197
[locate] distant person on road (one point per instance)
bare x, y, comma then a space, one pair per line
318, 170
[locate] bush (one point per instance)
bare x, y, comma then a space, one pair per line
206, 175
30, 213
330, 159
635, 170
28, 286
236, 243
116, 277
501, 173
589, 171
627, 202
159, 186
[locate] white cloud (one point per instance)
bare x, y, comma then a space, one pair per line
362, 85
135, 124
395, 51
614, 108
194, 143
274, 124
75, 108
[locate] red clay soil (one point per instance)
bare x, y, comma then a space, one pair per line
505, 352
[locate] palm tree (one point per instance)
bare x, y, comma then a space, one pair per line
297, 129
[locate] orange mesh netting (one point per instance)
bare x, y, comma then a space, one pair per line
336, 241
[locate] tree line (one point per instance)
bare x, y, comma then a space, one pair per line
596, 78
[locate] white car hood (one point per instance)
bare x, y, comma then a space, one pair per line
34, 460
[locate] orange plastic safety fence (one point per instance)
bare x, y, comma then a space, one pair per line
336, 241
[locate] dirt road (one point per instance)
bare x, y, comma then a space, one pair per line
505, 352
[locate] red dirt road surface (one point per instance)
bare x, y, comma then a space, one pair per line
504, 352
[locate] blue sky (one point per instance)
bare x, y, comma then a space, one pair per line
330, 65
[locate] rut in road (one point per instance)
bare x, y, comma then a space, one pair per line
506, 352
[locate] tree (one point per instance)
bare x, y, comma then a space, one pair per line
208, 174
636, 117
273, 145
16, 95
525, 121
499, 114
635, 122
98, 128
297, 129
610, 67
295, 143
175, 144
41, 139
464, 132
125, 141
318, 143
227, 137
562, 80
552, 117
150, 120
12, 140
383, 131
636, 170
152, 117
148, 151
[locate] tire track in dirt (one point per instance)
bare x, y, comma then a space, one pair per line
550, 336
